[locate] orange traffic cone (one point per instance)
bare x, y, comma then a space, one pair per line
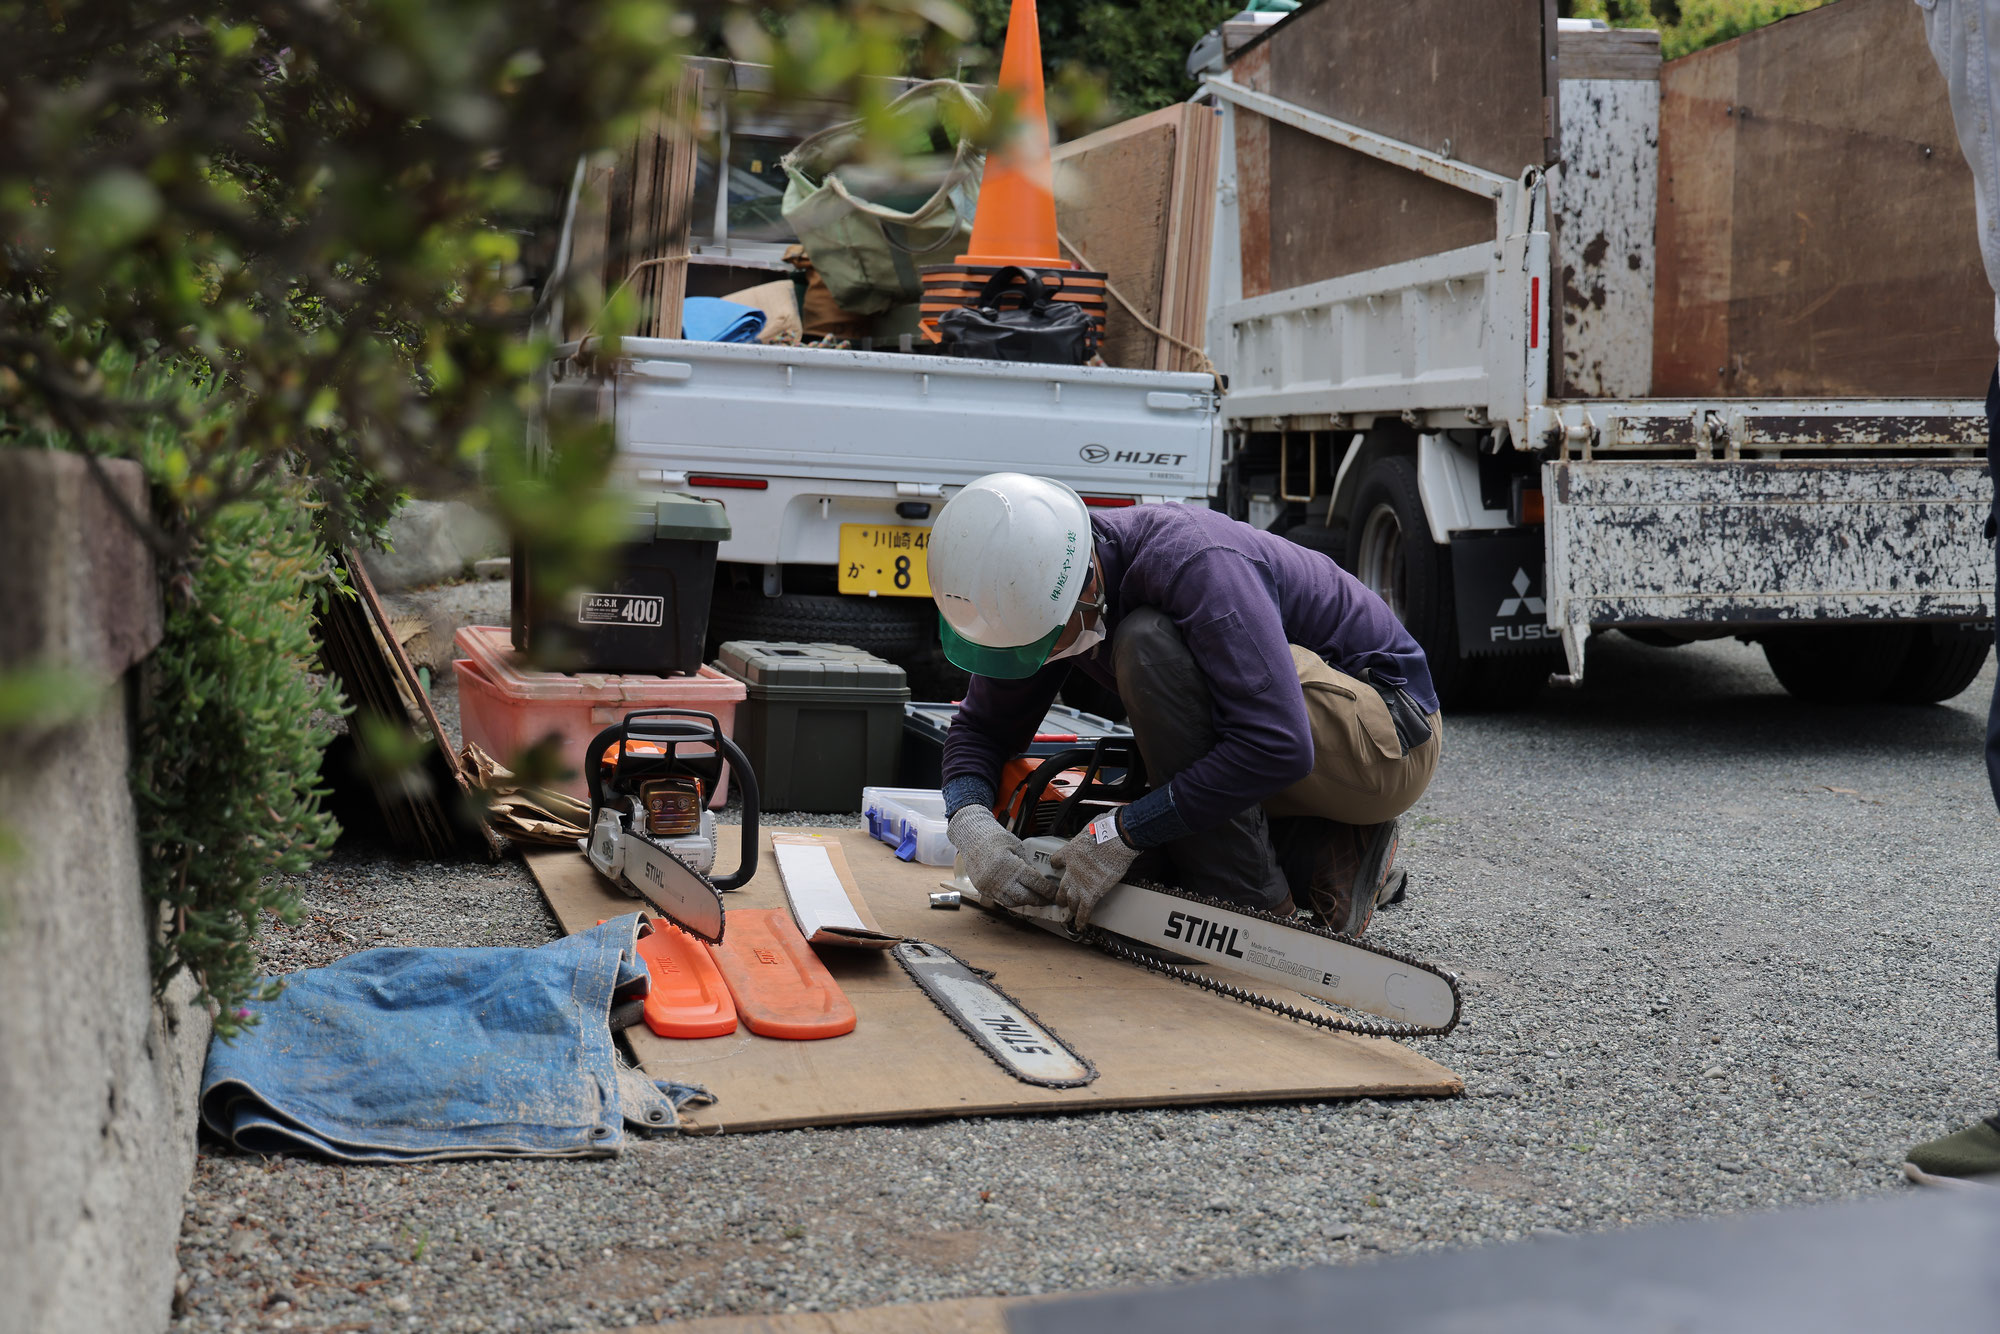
1016, 219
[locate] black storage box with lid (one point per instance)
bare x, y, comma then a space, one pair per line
821, 721
924, 726
649, 613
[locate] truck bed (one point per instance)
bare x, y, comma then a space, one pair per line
838, 435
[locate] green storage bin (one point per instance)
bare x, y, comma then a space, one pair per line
821, 721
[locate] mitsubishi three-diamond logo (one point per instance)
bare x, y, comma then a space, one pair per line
1512, 606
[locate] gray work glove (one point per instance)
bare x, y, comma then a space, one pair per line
996, 861
1091, 863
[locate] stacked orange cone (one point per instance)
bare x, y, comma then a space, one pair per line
1016, 219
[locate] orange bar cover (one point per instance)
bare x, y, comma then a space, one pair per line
782, 990
689, 999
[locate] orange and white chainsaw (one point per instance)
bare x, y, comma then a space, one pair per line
651, 831
1223, 947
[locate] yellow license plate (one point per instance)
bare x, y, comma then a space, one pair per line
884, 558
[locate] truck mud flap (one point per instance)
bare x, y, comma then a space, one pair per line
1497, 591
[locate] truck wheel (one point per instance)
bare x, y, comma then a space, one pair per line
897, 629
1389, 549
1940, 666
1838, 664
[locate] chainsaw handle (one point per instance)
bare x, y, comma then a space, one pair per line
674, 727
746, 782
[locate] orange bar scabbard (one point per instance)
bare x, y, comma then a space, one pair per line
781, 988
688, 999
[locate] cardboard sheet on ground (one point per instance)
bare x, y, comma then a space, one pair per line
1155, 1042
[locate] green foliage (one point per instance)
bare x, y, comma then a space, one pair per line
275, 251
312, 202
1689, 25
229, 745
1139, 50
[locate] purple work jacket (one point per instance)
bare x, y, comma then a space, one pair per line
1240, 596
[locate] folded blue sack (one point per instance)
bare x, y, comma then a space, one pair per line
710, 319
398, 1055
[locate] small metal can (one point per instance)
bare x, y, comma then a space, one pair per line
948, 899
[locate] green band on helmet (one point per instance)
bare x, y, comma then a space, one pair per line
1006, 664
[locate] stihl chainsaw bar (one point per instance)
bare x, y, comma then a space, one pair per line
1021, 1043
1182, 935
675, 890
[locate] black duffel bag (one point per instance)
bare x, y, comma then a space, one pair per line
1040, 328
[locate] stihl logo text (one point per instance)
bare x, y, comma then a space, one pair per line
1014, 1035
1202, 933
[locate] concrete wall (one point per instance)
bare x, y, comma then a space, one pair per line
97, 1084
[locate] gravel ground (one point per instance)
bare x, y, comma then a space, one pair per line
1723, 952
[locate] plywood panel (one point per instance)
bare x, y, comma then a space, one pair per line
1313, 210
1155, 1042
1114, 202
1253, 173
1466, 80
966, 1315
1334, 211
1692, 234
1839, 255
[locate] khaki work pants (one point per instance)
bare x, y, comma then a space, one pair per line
1360, 774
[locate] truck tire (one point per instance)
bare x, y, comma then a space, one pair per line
1940, 667
1838, 664
1327, 539
893, 628
1389, 548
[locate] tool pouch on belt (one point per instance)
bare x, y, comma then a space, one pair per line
1412, 728
1038, 329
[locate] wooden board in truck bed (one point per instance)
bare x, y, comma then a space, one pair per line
1816, 232
1472, 81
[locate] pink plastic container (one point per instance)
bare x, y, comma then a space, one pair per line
504, 708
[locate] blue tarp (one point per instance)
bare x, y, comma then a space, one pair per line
709, 319
394, 1055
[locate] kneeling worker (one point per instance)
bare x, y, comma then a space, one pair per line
1284, 714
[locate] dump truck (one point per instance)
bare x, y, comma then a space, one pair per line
1543, 339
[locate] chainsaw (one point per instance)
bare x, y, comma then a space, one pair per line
1174, 931
651, 832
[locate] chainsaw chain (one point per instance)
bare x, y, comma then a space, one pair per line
1374, 1028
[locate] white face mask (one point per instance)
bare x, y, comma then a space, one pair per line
1087, 638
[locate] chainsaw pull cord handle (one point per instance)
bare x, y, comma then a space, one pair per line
680, 728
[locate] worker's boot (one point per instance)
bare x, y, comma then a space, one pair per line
1340, 869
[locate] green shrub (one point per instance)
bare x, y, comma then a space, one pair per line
228, 750
1690, 25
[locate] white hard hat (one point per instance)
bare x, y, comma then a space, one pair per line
1008, 556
